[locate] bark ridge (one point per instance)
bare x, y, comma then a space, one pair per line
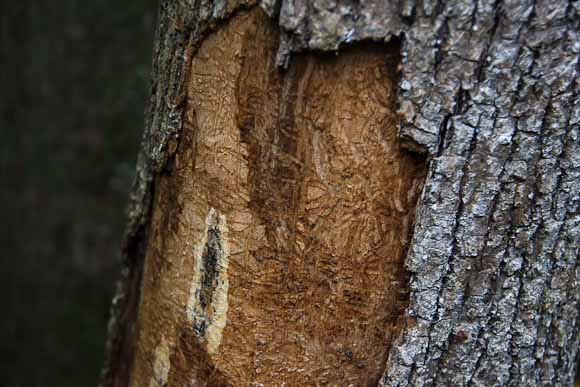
489, 91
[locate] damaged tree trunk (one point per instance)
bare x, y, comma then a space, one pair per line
355, 194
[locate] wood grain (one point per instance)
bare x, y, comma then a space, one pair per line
278, 239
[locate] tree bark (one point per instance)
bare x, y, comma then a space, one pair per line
362, 193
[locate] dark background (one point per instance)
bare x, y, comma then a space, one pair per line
74, 79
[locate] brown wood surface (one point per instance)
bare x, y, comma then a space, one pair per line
277, 241
487, 92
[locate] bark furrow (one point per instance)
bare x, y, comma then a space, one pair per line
489, 92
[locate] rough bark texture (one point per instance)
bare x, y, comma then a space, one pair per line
489, 91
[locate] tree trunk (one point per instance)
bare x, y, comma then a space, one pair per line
355, 194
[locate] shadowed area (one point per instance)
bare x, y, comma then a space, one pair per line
74, 82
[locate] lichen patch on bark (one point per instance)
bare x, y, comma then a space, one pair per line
278, 238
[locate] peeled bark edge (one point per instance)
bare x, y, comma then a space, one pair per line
489, 91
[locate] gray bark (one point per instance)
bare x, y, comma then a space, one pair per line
489, 92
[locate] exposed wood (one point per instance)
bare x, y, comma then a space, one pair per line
488, 92
277, 241
180, 29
